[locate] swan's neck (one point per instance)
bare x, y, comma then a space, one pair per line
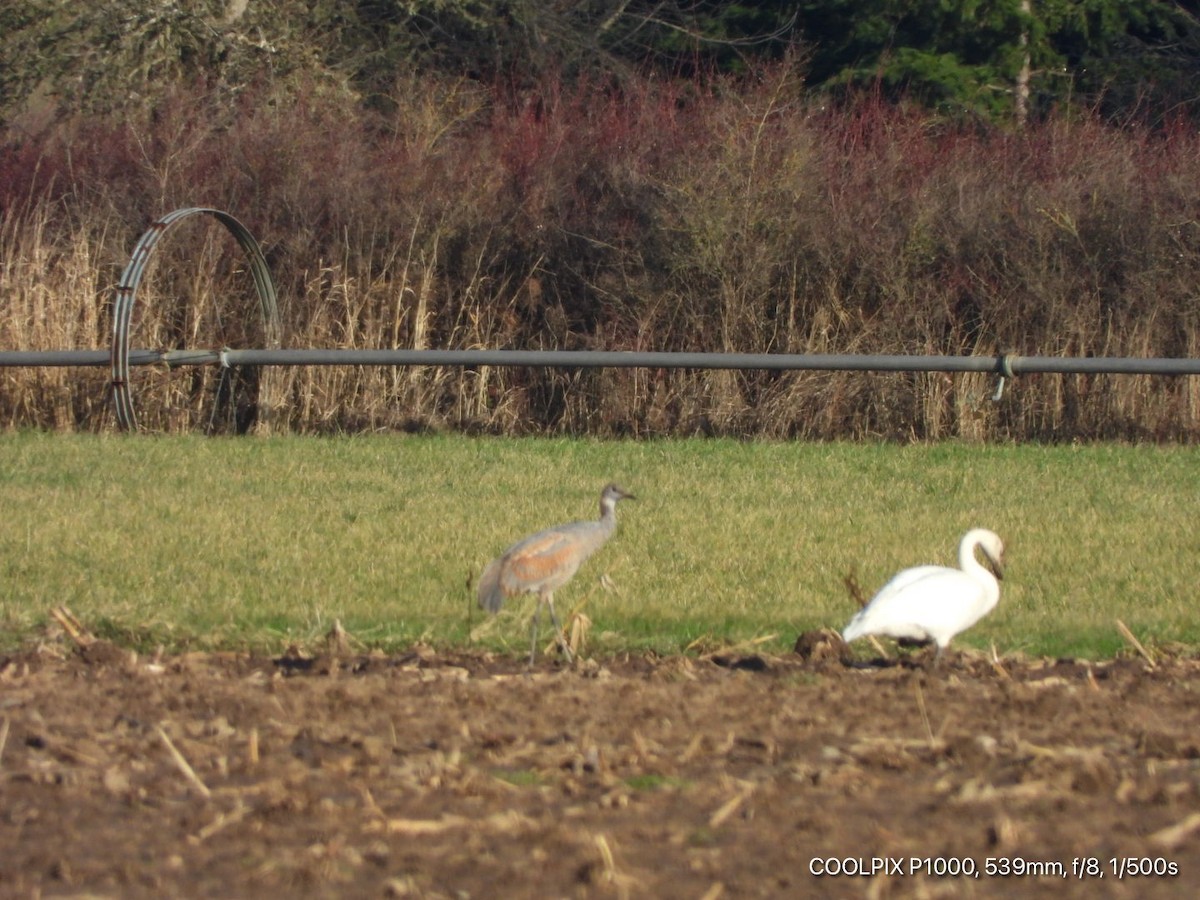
969, 563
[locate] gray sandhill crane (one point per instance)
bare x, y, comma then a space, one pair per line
543, 562
934, 603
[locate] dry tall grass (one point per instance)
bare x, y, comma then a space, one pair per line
706, 216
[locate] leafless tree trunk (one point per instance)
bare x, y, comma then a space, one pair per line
1021, 101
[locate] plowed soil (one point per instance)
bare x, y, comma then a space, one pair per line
469, 776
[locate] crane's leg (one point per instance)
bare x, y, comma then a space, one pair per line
558, 632
533, 630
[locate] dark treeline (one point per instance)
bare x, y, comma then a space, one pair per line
994, 60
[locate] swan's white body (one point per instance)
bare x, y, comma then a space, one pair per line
934, 603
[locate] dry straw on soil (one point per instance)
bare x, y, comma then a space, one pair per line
430, 775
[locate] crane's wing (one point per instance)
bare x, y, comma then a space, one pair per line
547, 558
524, 567
542, 561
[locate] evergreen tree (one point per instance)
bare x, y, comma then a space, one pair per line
973, 56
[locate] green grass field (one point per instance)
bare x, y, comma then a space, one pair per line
260, 543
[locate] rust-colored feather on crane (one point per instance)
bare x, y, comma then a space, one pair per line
544, 562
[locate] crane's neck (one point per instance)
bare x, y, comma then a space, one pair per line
608, 513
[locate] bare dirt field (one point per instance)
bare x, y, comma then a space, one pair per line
470, 776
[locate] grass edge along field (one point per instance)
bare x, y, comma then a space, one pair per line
191, 542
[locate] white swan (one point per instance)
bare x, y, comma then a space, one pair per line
934, 603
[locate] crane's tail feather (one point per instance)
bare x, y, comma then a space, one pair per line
490, 595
